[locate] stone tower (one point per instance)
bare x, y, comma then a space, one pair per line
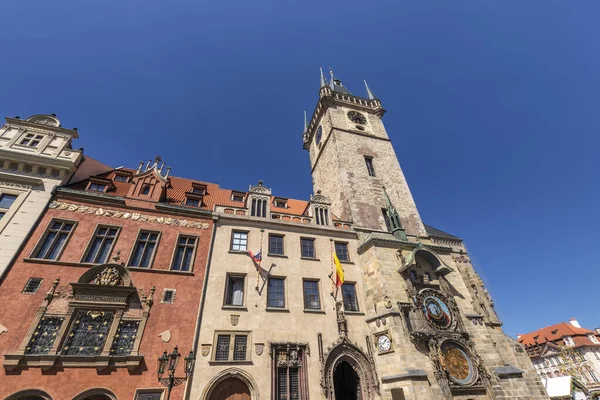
432, 323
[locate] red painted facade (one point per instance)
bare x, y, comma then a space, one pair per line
122, 205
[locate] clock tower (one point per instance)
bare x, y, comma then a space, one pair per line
352, 160
434, 332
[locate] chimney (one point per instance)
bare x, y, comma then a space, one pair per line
574, 322
519, 336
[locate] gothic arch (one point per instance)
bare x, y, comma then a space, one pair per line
440, 267
231, 373
94, 392
345, 350
29, 393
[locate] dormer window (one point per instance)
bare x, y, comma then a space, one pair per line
198, 189
237, 196
192, 202
97, 187
280, 202
569, 341
259, 200
593, 339
145, 190
121, 178
31, 140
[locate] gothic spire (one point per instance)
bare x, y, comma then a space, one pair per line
323, 81
393, 218
370, 94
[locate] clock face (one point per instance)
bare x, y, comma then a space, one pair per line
457, 363
357, 117
384, 343
437, 311
319, 134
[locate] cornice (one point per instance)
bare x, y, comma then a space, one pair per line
92, 197
20, 122
285, 225
183, 210
39, 159
394, 243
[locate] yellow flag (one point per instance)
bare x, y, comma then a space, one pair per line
339, 272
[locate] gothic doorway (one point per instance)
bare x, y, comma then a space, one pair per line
231, 389
346, 382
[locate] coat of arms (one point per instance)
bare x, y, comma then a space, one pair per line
259, 348
235, 319
205, 350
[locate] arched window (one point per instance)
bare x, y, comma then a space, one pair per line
146, 190
30, 394
96, 394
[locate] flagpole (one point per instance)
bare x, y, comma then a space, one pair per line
332, 269
258, 267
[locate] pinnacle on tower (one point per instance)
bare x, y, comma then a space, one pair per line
323, 81
370, 94
305, 123
394, 218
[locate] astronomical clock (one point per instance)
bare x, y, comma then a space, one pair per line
433, 320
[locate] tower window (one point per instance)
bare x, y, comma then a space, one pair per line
386, 218
370, 167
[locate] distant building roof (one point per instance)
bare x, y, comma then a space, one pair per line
554, 333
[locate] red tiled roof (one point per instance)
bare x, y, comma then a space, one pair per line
556, 332
178, 187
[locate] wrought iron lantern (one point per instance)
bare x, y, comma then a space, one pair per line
169, 363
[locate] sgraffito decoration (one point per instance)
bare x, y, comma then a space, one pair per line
61, 205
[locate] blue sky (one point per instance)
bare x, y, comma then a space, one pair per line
492, 108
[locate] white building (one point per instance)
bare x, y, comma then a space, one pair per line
566, 349
35, 157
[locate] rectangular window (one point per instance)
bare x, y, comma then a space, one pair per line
234, 292
231, 347
6, 201
31, 140
101, 245
168, 296
125, 338
96, 187
276, 293
349, 296
184, 253
144, 249
259, 207
239, 241
32, 285
276, 244
307, 248
55, 239
341, 250
237, 197
322, 215
43, 337
88, 333
198, 190
370, 167
192, 202
312, 299
121, 178
280, 203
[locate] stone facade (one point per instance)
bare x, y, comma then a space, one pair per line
425, 272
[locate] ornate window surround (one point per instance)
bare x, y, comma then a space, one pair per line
105, 287
320, 209
289, 355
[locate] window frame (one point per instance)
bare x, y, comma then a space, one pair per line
135, 244
194, 251
139, 391
314, 248
164, 292
347, 260
318, 282
41, 280
233, 232
192, 199
358, 308
121, 178
92, 240
44, 235
104, 185
232, 335
370, 166
35, 137
226, 289
284, 291
278, 235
